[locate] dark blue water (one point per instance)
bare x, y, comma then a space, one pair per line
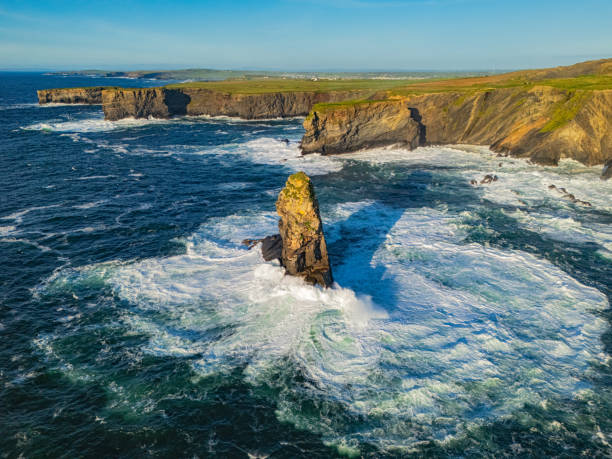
466, 321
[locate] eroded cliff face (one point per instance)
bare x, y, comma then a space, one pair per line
363, 125
166, 102
541, 123
92, 96
122, 103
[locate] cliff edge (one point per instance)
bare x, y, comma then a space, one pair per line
544, 115
167, 102
91, 96
542, 123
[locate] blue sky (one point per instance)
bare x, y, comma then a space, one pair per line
303, 34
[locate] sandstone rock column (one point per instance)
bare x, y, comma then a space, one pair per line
304, 253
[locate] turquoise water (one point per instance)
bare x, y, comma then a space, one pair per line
466, 321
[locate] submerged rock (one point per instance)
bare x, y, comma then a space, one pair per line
304, 252
488, 179
569, 196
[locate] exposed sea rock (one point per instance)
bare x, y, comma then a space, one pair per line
92, 96
271, 246
304, 252
166, 102
569, 196
542, 123
362, 125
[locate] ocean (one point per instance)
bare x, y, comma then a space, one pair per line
466, 321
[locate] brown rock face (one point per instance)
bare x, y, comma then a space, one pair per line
92, 96
119, 103
358, 126
143, 103
304, 252
542, 123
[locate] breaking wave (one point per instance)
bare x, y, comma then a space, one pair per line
423, 335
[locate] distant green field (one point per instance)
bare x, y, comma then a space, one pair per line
578, 90
586, 82
404, 87
218, 75
292, 85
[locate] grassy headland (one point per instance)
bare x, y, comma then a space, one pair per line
586, 76
264, 86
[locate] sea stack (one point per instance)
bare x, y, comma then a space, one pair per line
304, 252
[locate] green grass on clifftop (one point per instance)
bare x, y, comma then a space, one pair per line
292, 85
566, 111
587, 82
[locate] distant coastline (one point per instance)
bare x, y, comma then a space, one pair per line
217, 75
543, 115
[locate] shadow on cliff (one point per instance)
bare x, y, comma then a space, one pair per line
176, 101
416, 115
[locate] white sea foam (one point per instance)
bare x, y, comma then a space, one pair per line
265, 150
99, 124
42, 248
522, 189
60, 104
94, 177
7, 230
93, 125
437, 327
18, 106
90, 205
17, 217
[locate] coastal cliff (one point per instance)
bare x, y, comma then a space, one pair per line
92, 96
542, 123
543, 115
339, 128
121, 103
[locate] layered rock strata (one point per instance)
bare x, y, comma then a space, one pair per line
167, 102
304, 252
351, 127
92, 96
543, 123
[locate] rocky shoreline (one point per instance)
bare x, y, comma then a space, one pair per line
522, 115
511, 121
161, 102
